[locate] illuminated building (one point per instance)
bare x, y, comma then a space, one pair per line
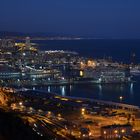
91, 63
27, 42
7, 72
116, 131
106, 74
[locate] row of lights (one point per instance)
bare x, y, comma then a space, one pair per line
116, 131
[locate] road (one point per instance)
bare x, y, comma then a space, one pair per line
50, 127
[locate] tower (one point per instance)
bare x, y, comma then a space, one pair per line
133, 58
27, 42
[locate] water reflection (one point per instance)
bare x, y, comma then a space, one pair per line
63, 90
100, 91
131, 89
110, 92
71, 88
49, 89
121, 88
132, 92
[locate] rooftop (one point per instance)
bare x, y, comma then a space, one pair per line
116, 125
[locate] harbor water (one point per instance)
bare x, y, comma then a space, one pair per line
118, 50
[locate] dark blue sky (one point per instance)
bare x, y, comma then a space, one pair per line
97, 18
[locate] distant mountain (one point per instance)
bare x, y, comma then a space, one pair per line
4, 34
43, 35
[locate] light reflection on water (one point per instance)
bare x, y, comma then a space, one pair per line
109, 92
63, 90
131, 89
130, 92
100, 91
49, 89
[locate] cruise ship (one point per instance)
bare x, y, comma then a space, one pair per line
135, 70
107, 75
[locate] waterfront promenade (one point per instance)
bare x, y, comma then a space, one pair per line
110, 104
114, 105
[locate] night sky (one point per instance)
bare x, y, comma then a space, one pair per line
96, 18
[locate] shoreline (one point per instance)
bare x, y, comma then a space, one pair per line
60, 83
116, 105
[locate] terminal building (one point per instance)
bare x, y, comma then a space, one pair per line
116, 131
7, 72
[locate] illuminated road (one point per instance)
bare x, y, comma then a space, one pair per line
51, 127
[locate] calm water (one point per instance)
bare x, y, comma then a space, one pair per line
119, 50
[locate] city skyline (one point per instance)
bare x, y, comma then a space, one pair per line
69, 70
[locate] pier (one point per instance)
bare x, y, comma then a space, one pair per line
110, 104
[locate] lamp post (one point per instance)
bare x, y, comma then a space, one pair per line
121, 98
20, 103
83, 111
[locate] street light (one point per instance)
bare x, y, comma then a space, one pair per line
122, 130
20, 103
59, 115
116, 131
104, 132
121, 98
83, 111
49, 112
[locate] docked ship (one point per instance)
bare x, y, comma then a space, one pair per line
135, 70
106, 75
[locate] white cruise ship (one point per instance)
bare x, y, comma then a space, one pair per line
135, 70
